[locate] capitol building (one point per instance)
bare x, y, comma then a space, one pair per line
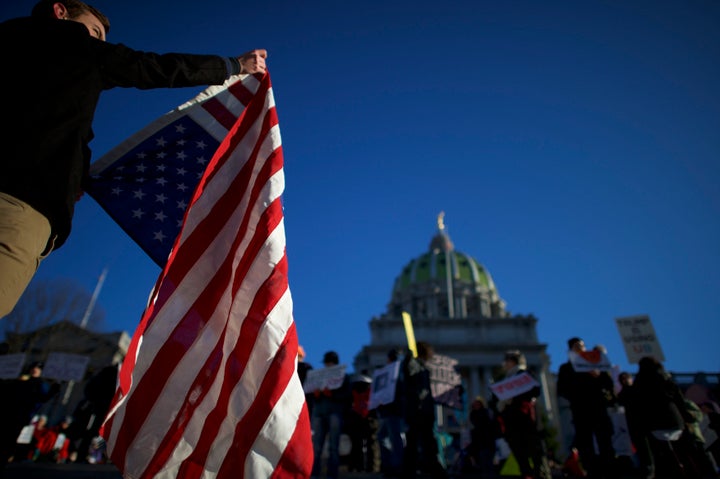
456, 307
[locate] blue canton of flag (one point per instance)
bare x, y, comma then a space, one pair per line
147, 191
146, 183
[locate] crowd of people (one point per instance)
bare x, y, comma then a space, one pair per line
399, 438
663, 425
26, 434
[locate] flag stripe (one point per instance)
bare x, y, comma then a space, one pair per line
220, 113
211, 370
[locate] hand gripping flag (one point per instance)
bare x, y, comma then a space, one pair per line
209, 385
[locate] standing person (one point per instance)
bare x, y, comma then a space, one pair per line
420, 415
638, 439
327, 418
661, 413
60, 58
391, 426
91, 412
587, 394
485, 430
519, 415
362, 427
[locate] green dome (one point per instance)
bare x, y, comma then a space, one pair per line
432, 267
445, 283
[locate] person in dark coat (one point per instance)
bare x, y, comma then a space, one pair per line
485, 431
519, 417
329, 410
91, 411
57, 64
659, 409
587, 393
420, 416
391, 425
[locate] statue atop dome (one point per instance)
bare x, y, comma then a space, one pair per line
441, 241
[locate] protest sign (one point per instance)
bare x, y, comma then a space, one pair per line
384, 381
325, 378
638, 337
444, 380
586, 361
65, 366
513, 386
11, 365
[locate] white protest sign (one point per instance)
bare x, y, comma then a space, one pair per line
513, 386
65, 366
319, 379
444, 379
11, 365
26, 434
638, 337
59, 442
586, 361
384, 380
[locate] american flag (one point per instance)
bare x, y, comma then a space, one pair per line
209, 385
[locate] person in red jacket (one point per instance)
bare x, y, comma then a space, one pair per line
59, 64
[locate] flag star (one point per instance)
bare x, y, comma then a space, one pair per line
117, 190
201, 160
117, 178
180, 128
181, 171
182, 187
181, 155
138, 194
161, 181
160, 198
200, 145
199, 175
161, 142
159, 236
121, 167
142, 155
138, 213
181, 143
140, 180
182, 205
179, 222
160, 167
141, 168
160, 216
161, 155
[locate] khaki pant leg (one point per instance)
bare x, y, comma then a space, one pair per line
24, 235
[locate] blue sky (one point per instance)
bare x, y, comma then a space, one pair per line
574, 147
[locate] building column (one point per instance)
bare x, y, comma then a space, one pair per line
486, 383
475, 386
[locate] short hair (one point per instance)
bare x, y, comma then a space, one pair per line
331, 357
392, 355
517, 357
573, 341
75, 8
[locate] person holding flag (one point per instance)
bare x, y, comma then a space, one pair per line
60, 56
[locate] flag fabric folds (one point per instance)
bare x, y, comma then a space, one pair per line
209, 385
